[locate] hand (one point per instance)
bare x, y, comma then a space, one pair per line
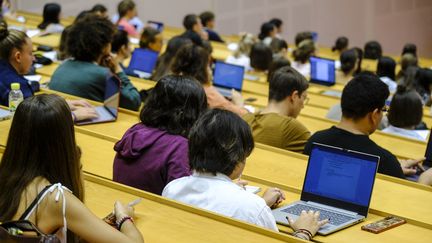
273, 196
84, 113
122, 210
237, 98
241, 183
426, 177
409, 166
110, 61
309, 221
75, 104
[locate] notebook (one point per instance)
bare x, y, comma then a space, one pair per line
227, 77
142, 63
156, 25
338, 183
109, 111
323, 71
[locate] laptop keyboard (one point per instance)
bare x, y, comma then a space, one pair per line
335, 218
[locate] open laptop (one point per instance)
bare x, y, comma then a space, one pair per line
338, 183
323, 71
227, 77
142, 63
156, 25
109, 111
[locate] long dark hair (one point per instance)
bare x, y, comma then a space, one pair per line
41, 143
406, 108
51, 15
192, 60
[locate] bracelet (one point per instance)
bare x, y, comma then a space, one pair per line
73, 116
301, 235
305, 231
122, 220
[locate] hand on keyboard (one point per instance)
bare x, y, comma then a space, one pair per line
309, 221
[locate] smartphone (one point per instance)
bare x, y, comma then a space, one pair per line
383, 224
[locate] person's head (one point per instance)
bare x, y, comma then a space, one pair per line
372, 50
277, 63
423, 79
174, 104
304, 51
192, 22
192, 60
120, 44
363, 99
360, 59
279, 46
208, 19
278, 23
408, 60
219, 142
245, 45
16, 48
90, 38
41, 143
409, 48
100, 10
51, 15
288, 85
267, 30
386, 67
349, 61
260, 57
151, 39
341, 44
406, 108
301, 36
127, 9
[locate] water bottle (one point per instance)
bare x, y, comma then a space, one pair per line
15, 97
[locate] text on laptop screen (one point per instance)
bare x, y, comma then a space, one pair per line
228, 76
156, 25
322, 70
143, 60
341, 175
112, 94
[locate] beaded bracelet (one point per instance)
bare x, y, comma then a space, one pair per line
305, 231
122, 220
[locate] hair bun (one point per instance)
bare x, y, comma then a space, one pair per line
4, 32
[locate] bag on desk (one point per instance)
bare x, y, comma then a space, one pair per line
23, 231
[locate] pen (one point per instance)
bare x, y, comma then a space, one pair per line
134, 202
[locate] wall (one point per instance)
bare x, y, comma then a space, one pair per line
391, 22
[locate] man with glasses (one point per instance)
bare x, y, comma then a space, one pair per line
276, 124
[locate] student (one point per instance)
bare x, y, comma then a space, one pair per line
408, 60
301, 55
51, 19
406, 112
42, 152
127, 11
278, 24
157, 147
363, 106
409, 48
151, 39
241, 55
423, 83
219, 144
341, 44
99, 10
349, 62
386, 69
276, 124
260, 57
301, 36
192, 60
277, 63
267, 33
16, 59
194, 29
120, 47
279, 48
89, 43
208, 22
372, 50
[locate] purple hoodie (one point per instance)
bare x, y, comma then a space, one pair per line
148, 158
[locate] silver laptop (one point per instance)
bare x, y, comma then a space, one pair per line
109, 111
227, 77
338, 183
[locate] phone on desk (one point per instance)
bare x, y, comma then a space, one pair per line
383, 224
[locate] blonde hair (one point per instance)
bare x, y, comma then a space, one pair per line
245, 45
10, 39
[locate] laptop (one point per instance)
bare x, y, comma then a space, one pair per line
428, 153
142, 63
227, 77
5, 114
109, 111
338, 183
156, 25
323, 71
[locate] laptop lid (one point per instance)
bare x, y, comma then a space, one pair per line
323, 71
143, 60
112, 95
228, 76
156, 25
340, 178
428, 152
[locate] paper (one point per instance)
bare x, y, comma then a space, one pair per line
134, 41
32, 33
34, 78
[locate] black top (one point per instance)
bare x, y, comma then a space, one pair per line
337, 137
193, 36
213, 35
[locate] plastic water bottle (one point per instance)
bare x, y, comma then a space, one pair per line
15, 97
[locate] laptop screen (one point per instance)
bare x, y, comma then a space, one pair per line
156, 25
143, 60
228, 76
428, 153
112, 95
323, 70
340, 175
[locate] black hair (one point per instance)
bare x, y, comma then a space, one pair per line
276, 22
120, 38
348, 60
406, 108
284, 82
409, 48
174, 104
301, 36
192, 60
148, 36
206, 17
189, 21
218, 142
260, 56
340, 44
304, 51
88, 37
266, 29
372, 50
51, 15
360, 58
99, 8
277, 45
363, 94
278, 62
423, 80
386, 67
10, 39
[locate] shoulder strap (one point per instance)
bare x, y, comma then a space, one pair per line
34, 203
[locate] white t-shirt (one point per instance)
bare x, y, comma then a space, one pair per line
303, 68
220, 195
420, 135
242, 60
